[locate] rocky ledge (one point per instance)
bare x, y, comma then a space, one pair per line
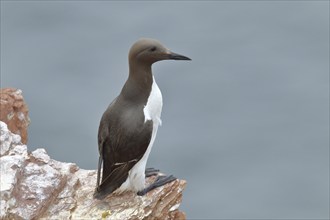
14, 112
34, 186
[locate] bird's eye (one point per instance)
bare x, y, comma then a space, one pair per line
153, 49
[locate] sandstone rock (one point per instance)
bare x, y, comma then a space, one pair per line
14, 112
34, 186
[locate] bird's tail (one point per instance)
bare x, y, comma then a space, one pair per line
113, 181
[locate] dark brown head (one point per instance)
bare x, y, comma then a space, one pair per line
149, 51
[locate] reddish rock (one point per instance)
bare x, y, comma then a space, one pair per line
14, 112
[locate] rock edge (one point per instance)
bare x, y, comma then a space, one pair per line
34, 186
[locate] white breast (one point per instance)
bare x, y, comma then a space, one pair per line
153, 108
152, 111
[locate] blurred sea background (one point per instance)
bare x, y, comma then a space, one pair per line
246, 122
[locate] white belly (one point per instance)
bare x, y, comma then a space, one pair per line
152, 111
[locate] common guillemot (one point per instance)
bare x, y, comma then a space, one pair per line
129, 126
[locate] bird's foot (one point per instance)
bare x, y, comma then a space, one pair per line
160, 181
151, 172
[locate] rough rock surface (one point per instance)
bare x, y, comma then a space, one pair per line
34, 186
14, 112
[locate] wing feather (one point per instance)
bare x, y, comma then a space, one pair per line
121, 146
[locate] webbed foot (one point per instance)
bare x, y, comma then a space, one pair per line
151, 172
160, 181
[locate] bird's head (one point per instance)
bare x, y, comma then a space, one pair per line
149, 51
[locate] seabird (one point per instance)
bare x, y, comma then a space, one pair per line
129, 126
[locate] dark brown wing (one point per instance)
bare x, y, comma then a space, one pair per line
123, 139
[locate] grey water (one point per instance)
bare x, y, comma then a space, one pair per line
246, 122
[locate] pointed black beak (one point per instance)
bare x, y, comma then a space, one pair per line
175, 56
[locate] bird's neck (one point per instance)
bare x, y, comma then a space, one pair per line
138, 85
